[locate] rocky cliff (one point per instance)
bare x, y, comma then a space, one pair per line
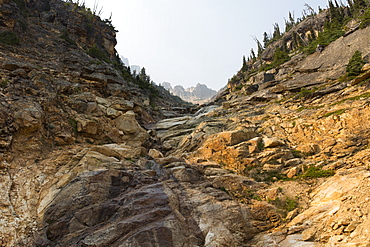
87, 159
62, 87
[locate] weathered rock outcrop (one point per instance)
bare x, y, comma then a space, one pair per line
311, 26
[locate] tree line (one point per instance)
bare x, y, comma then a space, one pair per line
339, 15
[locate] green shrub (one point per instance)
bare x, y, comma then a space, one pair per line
73, 123
302, 108
297, 154
238, 88
65, 36
4, 83
224, 189
305, 92
317, 172
9, 38
23, 25
21, 4
287, 204
355, 64
365, 19
89, 27
290, 204
256, 197
279, 58
330, 34
260, 145
97, 53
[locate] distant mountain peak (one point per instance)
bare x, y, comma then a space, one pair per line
199, 94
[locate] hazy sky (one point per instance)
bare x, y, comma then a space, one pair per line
186, 42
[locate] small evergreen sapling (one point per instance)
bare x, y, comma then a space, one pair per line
355, 64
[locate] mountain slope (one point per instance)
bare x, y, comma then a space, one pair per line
304, 151
62, 88
300, 132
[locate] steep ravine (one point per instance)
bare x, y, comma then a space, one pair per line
88, 157
306, 152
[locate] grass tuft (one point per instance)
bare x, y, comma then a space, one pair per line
317, 172
334, 113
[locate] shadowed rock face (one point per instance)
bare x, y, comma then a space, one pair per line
132, 206
108, 207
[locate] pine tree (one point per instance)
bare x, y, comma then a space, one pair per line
259, 48
291, 18
266, 39
289, 23
253, 55
276, 34
245, 66
280, 56
313, 33
284, 48
310, 9
336, 4
350, 4
335, 13
359, 4
143, 76
355, 64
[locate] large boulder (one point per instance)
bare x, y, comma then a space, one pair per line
132, 131
28, 116
228, 148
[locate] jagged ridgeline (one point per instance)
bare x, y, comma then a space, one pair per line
302, 36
